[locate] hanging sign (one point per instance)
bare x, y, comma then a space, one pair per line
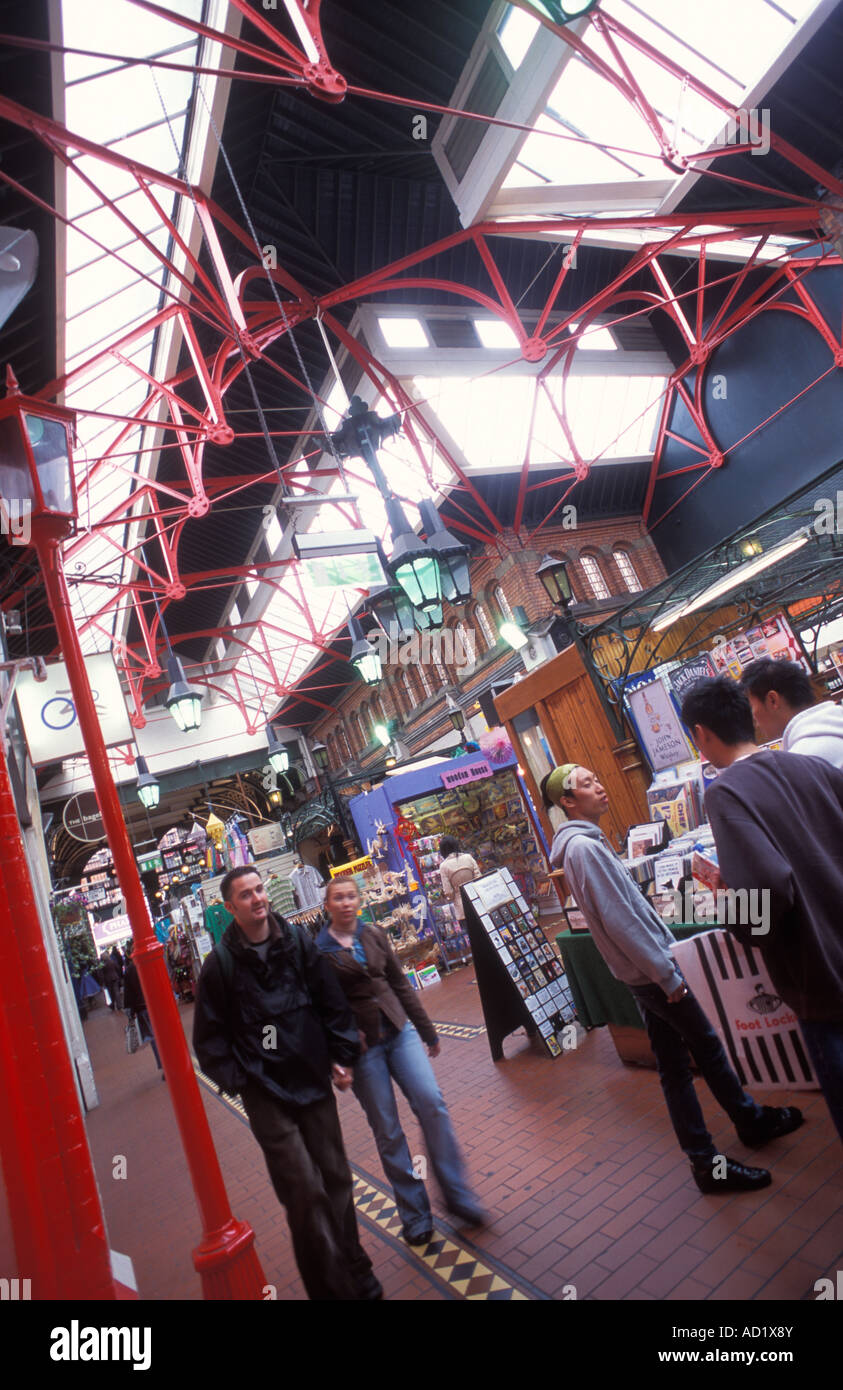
49, 717
81, 818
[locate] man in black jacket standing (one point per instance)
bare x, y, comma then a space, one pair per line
272, 1023
777, 820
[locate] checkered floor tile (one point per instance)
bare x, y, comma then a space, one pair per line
458, 1030
462, 1270
464, 1273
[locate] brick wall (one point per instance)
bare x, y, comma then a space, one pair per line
511, 565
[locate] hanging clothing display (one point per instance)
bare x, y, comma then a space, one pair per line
308, 886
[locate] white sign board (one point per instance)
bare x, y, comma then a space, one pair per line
112, 930
49, 717
760, 1032
492, 890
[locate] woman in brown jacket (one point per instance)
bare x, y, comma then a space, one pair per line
390, 1019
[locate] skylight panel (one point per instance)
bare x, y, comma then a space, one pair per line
516, 32
403, 332
495, 334
594, 339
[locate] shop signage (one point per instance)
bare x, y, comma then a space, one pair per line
82, 819
263, 838
459, 777
758, 1029
112, 930
48, 713
685, 677
658, 725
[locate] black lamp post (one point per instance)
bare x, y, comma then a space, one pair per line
414, 564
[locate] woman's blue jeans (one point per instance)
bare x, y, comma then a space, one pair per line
401, 1057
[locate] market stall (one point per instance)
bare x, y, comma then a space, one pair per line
482, 803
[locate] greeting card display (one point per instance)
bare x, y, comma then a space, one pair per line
520, 977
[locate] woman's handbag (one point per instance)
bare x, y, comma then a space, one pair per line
132, 1035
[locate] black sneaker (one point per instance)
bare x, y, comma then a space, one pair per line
423, 1238
737, 1177
775, 1121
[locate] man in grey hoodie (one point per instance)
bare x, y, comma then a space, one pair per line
783, 706
635, 944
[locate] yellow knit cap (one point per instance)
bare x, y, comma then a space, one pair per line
562, 779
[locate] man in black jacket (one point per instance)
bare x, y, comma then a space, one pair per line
777, 820
272, 1023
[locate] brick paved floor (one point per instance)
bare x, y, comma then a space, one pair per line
574, 1158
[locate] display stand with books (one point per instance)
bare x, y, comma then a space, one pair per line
519, 975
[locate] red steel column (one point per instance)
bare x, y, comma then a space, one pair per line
225, 1258
54, 1205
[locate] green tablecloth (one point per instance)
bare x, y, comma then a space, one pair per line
598, 997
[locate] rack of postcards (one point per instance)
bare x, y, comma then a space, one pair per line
450, 931
531, 962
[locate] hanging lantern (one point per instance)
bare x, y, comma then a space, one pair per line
149, 790
183, 701
279, 758
364, 658
451, 553
413, 564
553, 574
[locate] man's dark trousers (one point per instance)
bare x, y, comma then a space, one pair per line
304, 1153
678, 1032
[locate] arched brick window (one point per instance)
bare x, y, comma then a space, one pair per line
626, 569
478, 613
502, 603
594, 577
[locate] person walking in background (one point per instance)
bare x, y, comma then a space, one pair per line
455, 869
392, 1025
135, 1004
120, 967
272, 1024
635, 944
778, 827
110, 977
784, 707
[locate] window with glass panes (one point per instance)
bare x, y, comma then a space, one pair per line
594, 576
627, 570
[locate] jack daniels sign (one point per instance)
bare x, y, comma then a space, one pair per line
520, 977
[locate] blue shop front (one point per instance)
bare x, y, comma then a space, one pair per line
484, 804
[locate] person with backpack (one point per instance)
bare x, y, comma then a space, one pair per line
455, 869
272, 1025
393, 1026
